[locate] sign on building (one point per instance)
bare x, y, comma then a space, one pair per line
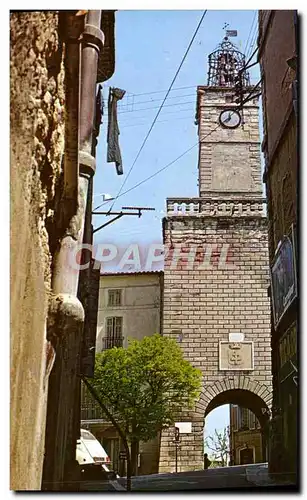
283, 278
184, 427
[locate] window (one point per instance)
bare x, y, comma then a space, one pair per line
234, 415
243, 419
114, 332
252, 420
114, 297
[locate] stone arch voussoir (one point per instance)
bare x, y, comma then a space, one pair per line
231, 383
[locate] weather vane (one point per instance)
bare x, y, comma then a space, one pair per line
229, 32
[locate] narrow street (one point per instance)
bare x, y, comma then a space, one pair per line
222, 478
154, 256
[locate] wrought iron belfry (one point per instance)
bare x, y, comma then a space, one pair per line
225, 63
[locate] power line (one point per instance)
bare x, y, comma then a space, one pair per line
157, 100
157, 91
157, 107
163, 168
252, 41
160, 108
159, 121
148, 117
250, 31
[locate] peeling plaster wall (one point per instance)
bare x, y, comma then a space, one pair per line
37, 143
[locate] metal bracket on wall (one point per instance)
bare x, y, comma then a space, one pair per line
120, 214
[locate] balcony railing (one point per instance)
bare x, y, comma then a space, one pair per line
110, 341
227, 207
91, 411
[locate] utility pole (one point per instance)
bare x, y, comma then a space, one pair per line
177, 443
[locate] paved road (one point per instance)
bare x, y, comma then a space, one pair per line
227, 478
253, 476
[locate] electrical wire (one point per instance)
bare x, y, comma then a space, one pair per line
250, 31
160, 108
157, 91
157, 100
157, 107
160, 121
148, 117
252, 41
163, 168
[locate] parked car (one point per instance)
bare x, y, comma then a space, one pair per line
93, 459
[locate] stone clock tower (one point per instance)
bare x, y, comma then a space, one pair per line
216, 274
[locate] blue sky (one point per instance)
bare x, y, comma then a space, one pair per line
149, 49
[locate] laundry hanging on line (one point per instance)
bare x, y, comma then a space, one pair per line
113, 150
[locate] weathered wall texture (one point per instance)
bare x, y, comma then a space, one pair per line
282, 187
203, 305
37, 114
276, 45
279, 62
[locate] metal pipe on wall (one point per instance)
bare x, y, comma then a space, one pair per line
66, 313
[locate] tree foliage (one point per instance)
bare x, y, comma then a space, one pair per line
145, 385
218, 444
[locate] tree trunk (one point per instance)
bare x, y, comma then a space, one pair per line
134, 457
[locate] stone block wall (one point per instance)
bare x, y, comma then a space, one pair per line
235, 167
37, 143
206, 301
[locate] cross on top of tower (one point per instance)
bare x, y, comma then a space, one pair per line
226, 62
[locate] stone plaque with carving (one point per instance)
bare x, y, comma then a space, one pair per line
236, 355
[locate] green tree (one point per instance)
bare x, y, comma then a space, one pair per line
218, 444
145, 386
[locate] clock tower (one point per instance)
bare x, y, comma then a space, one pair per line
229, 156
216, 273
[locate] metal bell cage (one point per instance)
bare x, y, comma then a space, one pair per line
225, 63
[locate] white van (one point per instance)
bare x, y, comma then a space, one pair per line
90, 451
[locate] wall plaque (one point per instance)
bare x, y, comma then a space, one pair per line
236, 355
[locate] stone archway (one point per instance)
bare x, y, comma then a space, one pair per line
237, 389
241, 390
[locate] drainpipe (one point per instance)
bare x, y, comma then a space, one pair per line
66, 313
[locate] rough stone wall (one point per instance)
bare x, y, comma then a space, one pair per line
203, 305
37, 141
235, 167
282, 187
276, 46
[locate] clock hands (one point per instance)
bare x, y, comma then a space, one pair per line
230, 118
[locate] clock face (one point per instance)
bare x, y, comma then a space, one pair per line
230, 118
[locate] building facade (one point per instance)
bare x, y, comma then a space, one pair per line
245, 439
37, 131
216, 273
56, 61
278, 57
129, 307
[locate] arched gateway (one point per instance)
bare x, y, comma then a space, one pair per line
216, 275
